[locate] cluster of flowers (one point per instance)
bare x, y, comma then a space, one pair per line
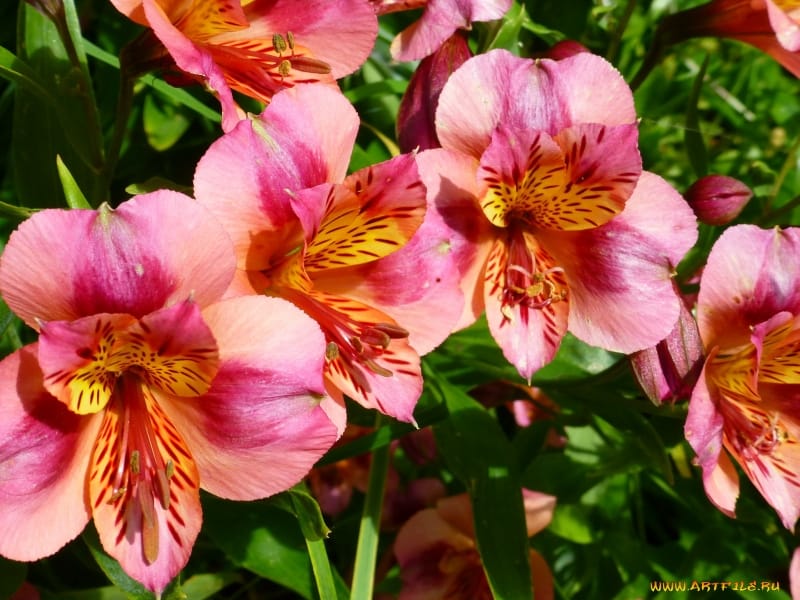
210, 342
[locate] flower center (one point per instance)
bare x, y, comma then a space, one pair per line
531, 280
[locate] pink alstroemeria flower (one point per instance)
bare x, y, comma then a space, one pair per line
440, 19
258, 47
540, 170
343, 249
772, 26
438, 553
143, 386
746, 404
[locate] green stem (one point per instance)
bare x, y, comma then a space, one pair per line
613, 46
322, 569
124, 105
367, 550
788, 164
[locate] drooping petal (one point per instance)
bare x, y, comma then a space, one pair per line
539, 509
144, 487
628, 263
528, 332
452, 194
246, 178
372, 214
704, 432
44, 460
260, 428
439, 21
751, 275
61, 265
192, 58
340, 34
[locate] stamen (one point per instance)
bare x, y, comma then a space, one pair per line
331, 351
279, 44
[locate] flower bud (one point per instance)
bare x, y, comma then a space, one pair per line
718, 199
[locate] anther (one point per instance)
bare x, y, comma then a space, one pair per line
284, 68
290, 40
134, 462
332, 351
279, 43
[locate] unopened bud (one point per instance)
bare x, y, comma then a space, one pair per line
718, 199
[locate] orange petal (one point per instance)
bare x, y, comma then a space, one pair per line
144, 488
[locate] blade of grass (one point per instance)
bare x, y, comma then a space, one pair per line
367, 550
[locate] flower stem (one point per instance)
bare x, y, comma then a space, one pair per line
367, 550
124, 105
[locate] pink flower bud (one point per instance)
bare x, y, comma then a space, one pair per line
668, 371
718, 199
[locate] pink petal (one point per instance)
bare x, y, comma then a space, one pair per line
704, 432
132, 9
539, 509
152, 250
439, 21
193, 59
751, 275
626, 263
340, 33
498, 88
246, 178
44, 459
260, 428
529, 337
794, 575
452, 192
785, 25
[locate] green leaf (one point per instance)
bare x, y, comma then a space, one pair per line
571, 522
478, 453
299, 502
259, 537
17, 71
207, 585
73, 194
164, 123
41, 130
112, 569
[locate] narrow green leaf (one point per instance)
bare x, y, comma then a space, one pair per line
17, 71
368, 532
73, 194
478, 453
164, 123
693, 137
207, 585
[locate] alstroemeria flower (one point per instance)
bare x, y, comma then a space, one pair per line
440, 19
772, 26
541, 171
746, 404
438, 553
343, 249
258, 47
143, 386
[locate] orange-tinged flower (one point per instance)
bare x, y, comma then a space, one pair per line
258, 47
438, 553
145, 386
341, 248
746, 401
